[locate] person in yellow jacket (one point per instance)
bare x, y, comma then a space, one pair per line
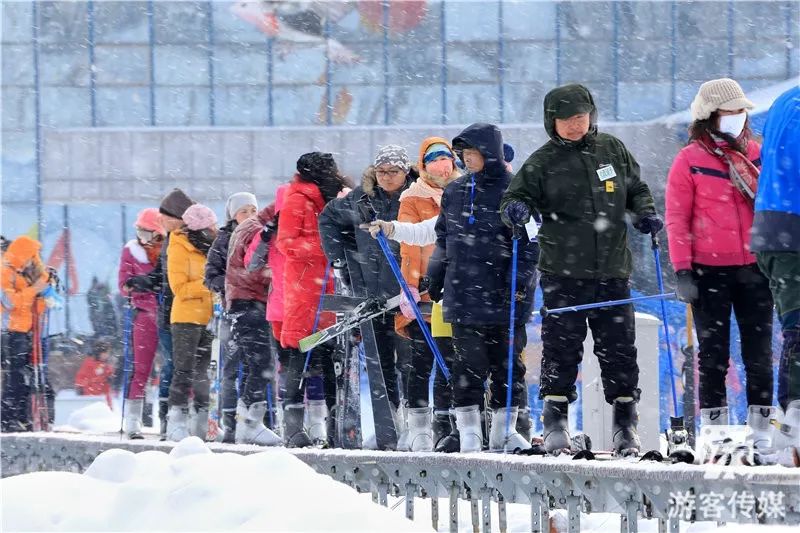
192, 310
24, 288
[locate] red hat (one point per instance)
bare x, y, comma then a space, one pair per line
149, 219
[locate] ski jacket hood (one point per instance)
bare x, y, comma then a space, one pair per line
564, 102
487, 139
21, 250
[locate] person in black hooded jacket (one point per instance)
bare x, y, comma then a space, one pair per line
583, 183
470, 272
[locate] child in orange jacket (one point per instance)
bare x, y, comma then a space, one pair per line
94, 376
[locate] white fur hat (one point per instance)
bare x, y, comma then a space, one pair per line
723, 93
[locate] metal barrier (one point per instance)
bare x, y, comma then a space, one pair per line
666, 493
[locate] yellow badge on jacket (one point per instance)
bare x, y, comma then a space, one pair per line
609, 186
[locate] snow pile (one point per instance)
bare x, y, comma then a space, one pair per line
97, 417
191, 489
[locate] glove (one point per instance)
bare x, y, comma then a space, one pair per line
435, 289
650, 223
516, 213
405, 306
137, 284
377, 226
52, 299
269, 230
686, 286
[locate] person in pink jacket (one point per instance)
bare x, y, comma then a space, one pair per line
709, 214
139, 257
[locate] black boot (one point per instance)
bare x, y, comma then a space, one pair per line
163, 409
555, 415
331, 429
147, 414
450, 442
294, 435
229, 423
624, 420
524, 423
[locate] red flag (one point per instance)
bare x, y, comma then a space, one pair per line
61, 252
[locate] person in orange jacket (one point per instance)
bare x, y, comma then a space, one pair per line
25, 285
94, 375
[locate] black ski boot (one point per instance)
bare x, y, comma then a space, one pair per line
445, 434
163, 409
524, 423
229, 424
555, 414
147, 414
624, 420
294, 435
332, 430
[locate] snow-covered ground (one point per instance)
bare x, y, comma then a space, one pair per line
193, 489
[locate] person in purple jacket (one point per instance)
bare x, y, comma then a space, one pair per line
139, 258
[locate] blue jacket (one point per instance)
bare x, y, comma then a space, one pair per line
472, 260
776, 227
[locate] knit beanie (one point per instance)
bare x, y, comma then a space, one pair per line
175, 204
237, 201
147, 219
198, 217
437, 150
394, 155
723, 93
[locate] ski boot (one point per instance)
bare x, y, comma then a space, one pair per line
468, 422
317, 429
624, 422
163, 410
445, 433
178, 423
717, 444
229, 425
420, 434
147, 413
294, 436
555, 419
250, 428
199, 426
498, 440
133, 419
759, 421
331, 430
786, 436
678, 448
400, 415
524, 423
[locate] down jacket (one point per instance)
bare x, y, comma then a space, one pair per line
192, 303
134, 262
20, 297
240, 284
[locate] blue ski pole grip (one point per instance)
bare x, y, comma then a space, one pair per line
512, 319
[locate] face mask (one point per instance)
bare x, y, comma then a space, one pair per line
441, 168
732, 124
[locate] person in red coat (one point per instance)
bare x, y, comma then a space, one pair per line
316, 182
94, 375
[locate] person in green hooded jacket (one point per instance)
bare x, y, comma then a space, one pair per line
583, 182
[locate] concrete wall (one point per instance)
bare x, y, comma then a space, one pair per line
115, 165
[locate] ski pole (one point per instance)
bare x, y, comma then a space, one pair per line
660, 278
316, 320
512, 317
544, 311
126, 330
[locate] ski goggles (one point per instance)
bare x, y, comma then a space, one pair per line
147, 236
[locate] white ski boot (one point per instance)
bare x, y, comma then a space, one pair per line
555, 419
759, 422
624, 423
786, 436
133, 419
468, 421
420, 432
178, 423
498, 441
401, 426
716, 440
199, 426
317, 413
250, 428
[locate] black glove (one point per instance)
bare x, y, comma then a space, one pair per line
649, 224
516, 213
686, 286
269, 229
138, 284
435, 289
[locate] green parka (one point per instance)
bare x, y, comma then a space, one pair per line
582, 190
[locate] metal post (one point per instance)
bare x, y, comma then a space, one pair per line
501, 66
212, 114
473, 507
545, 505
673, 49
270, 74
443, 32
383, 490
67, 265
731, 13
615, 56
435, 511
326, 31
37, 107
151, 40
502, 516
573, 515
787, 8
386, 74
410, 493
123, 215
558, 43
536, 513
630, 517
674, 525
453, 508
92, 70
486, 508
662, 525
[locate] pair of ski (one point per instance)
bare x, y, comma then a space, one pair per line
40, 412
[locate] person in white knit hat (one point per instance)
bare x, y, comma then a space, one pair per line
709, 214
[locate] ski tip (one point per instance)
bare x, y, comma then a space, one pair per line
584, 454
652, 455
682, 456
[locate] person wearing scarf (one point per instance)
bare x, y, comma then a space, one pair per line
192, 310
709, 215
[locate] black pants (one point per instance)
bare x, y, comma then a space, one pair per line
613, 329
191, 353
292, 361
388, 341
746, 290
230, 360
17, 377
417, 373
481, 352
251, 336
